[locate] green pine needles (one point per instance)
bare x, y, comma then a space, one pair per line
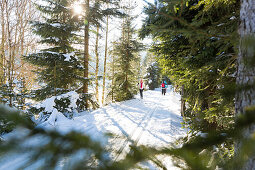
196, 47
196, 44
126, 62
59, 65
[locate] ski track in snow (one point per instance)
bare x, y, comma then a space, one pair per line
152, 121
163, 124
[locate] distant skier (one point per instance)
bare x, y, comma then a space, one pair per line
163, 88
141, 88
166, 84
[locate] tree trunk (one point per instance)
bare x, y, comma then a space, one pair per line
2, 55
105, 58
86, 52
246, 73
55, 78
10, 54
113, 72
15, 16
97, 62
183, 107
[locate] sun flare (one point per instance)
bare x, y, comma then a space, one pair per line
77, 8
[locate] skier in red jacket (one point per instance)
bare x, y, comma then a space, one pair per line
163, 88
141, 87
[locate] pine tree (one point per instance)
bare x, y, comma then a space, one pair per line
125, 53
14, 93
200, 62
153, 76
95, 12
105, 57
86, 49
97, 63
58, 65
2, 46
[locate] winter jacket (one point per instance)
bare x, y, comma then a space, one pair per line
163, 85
141, 85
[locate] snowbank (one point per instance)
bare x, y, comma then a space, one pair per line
64, 103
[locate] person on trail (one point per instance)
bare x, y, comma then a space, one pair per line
166, 84
141, 87
163, 88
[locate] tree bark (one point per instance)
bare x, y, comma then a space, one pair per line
245, 73
97, 62
15, 16
86, 52
113, 73
2, 46
183, 107
10, 53
55, 78
105, 58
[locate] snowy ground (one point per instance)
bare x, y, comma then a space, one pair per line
153, 121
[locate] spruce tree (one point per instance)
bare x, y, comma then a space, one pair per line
58, 64
14, 93
195, 46
193, 52
93, 17
153, 76
125, 53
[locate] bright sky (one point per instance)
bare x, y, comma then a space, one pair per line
114, 28
114, 25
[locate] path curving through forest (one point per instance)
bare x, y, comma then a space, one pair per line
154, 121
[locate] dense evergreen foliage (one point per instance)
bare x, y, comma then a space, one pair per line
196, 44
58, 64
153, 76
14, 93
196, 47
10, 118
126, 63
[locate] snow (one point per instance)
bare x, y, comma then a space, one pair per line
220, 24
232, 18
68, 56
55, 116
15, 81
53, 38
56, 25
51, 52
58, 121
153, 121
203, 135
49, 103
73, 96
214, 38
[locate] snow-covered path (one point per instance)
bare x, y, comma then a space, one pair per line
152, 121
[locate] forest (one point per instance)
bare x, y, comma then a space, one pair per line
65, 59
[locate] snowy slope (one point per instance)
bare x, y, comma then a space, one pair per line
153, 121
